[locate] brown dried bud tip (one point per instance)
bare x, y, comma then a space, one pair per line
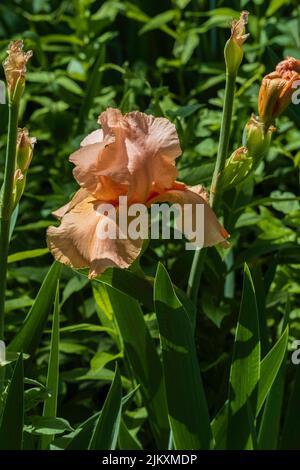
287, 68
239, 154
233, 51
18, 175
15, 64
23, 139
238, 28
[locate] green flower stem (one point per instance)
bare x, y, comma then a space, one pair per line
224, 137
199, 256
6, 203
196, 274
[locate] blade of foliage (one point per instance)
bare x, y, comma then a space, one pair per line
82, 436
269, 428
28, 254
29, 335
219, 428
105, 313
11, 426
106, 431
269, 367
144, 360
50, 405
140, 288
270, 423
47, 426
187, 407
290, 436
261, 309
129, 283
158, 21
126, 439
245, 370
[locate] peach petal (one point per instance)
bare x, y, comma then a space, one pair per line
100, 167
127, 156
152, 147
78, 197
76, 241
214, 232
113, 252
94, 137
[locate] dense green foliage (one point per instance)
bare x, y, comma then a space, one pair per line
165, 58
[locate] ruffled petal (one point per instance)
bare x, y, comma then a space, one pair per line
100, 163
99, 183
77, 242
94, 137
78, 197
70, 242
214, 232
152, 147
130, 154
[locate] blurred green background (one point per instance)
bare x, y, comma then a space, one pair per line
166, 58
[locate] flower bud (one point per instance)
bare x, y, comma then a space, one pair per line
233, 51
15, 69
256, 138
237, 167
244, 160
276, 90
25, 146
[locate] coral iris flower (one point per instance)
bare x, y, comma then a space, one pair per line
131, 155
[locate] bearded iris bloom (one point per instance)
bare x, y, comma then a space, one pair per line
131, 155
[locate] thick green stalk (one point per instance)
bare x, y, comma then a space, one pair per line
199, 256
224, 137
6, 203
195, 274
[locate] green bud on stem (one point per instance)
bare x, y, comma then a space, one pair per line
257, 139
244, 160
25, 146
233, 51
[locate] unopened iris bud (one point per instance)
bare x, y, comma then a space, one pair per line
237, 167
25, 145
18, 175
256, 138
244, 160
15, 69
233, 51
276, 90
